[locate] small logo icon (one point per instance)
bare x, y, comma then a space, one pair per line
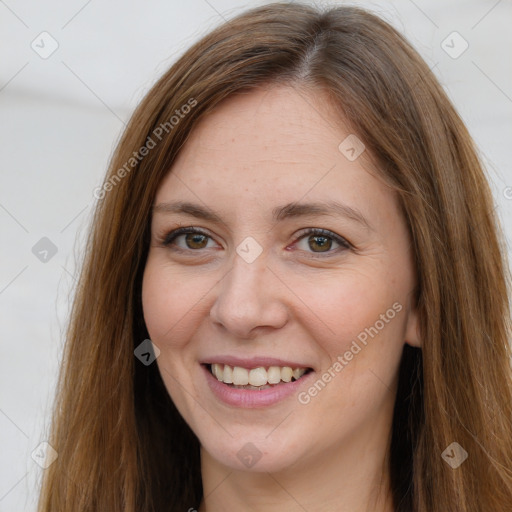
351, 147
249, 455
249, 249
454, 45
44, 455
44, 250
44, 45
454, 455
146, 352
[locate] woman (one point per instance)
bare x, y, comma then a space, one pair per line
297, 219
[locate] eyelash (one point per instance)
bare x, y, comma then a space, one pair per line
344, 244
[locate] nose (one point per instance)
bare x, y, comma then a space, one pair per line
248, 300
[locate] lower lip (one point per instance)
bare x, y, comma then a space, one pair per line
252, 398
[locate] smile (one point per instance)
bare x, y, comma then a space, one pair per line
255, 387
255, 378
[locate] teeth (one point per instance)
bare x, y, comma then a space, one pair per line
240, 376
298, 373
227, 375
274, 375
256, 378
286, 374
218, 371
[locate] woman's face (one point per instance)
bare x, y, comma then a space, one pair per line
257, 287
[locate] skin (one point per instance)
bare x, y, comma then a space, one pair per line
257, 151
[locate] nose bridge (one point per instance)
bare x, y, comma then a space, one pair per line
246, 299
244, 279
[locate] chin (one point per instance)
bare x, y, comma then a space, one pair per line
257, 456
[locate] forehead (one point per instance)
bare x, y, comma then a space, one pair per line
271, 146
271, 125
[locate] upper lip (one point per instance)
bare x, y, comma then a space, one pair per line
253, 362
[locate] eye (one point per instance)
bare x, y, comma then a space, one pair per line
190, 238
314, 240
320, 241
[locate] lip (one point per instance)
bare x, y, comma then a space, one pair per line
253, 362
254, 398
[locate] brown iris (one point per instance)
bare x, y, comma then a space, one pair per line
323, 242
196, 240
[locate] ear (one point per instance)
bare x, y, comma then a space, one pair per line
412, 330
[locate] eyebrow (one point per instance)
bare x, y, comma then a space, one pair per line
290, 210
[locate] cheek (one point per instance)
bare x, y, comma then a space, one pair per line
169, 303
363, 343
345, 307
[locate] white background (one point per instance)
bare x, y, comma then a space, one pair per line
61, 117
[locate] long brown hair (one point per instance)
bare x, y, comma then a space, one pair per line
121, 443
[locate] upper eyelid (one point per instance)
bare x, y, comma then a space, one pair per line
184, 231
